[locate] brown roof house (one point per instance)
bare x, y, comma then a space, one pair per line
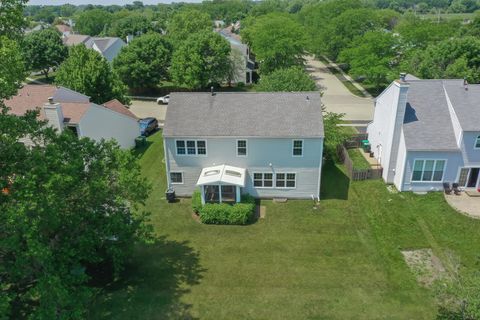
65, 109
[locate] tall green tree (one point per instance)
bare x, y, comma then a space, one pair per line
134, 24
374, 56
200, 60
187, 22
144, 62
11, 17
87, 72
43, 50
277, 40
289, 79
12, 68
93, 22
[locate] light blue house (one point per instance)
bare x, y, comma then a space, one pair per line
226, 144
426, 132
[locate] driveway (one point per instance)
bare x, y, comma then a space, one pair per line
336, 97
144, 109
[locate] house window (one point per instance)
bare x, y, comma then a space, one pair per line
477, 143
285, 180
263, 180
241, 148
297, 148
176, 177
191, 147
428, 170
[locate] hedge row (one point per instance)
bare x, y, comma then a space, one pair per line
222, 213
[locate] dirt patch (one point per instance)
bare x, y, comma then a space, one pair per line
196, 217
426, 266
260, 212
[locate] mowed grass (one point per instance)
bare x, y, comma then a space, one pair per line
359, 161
340, 261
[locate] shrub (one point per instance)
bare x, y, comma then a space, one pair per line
222, 213
196, 201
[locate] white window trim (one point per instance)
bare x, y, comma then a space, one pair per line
246, 148
181, 173
196, 148
423, 170
263, 180
293, 147
477, 140
285, 173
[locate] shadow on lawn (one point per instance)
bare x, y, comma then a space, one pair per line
153, 283
335, 183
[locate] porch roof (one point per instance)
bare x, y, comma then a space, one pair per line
222, 174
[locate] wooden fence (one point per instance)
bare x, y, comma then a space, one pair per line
357, 174
356, 140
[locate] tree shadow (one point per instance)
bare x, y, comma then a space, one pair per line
152, 284
139, 151
335, 183
446, 314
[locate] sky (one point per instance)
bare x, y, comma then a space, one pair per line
102, 2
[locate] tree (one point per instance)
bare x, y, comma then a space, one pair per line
200, 60
335, 134
12, 68
93, 22
133, 24
290, 79
144, 62
87, 72
43, 50
187, 22
373, 56
236, 67
11, 17
277, 40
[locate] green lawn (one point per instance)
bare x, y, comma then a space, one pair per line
359, 161
341, 261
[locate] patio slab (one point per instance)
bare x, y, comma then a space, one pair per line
465, 204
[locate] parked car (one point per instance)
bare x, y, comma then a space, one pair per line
163, 100
148, 126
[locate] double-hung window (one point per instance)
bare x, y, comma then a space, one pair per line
176, 177
428, 170
477, 143
297, 148
285, 180
191, 147
241, 148
263, 180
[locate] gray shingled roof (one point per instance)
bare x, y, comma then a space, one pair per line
427, 124
104, 43
466, 103
277, 114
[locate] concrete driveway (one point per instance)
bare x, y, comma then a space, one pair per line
336, 97
144, 109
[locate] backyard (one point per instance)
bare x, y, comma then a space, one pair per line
340, 261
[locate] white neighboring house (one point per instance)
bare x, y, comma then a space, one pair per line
65, 109
108, 47
246, 65
227, 144
426, 132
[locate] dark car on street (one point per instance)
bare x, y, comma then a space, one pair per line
148, 126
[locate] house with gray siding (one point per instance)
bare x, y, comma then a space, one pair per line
427, 132
226, 144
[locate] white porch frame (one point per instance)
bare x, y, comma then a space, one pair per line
220, 200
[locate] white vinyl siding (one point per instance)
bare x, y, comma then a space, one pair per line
428, 170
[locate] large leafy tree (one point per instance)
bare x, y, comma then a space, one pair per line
187, 22
93, 22
43, 50
134, 24
277, 40
373, 56
11, 17
144, 62
12, 68
290, 79
87, 72
201, 59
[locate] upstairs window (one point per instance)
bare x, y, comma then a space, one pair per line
191, 147
297, 148
180, 147
477, 143
241, 148
428, 170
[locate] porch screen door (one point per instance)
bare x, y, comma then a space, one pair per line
462, 180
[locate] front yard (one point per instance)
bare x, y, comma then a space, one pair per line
341, 261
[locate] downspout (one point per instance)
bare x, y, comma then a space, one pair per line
167, 163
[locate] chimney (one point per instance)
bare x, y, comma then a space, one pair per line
465, 84
54, 114
403, 75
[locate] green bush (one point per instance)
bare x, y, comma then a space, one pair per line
222, 213
196, 201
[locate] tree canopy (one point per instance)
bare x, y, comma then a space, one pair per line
200, 60
133, 24
11, 17
12, 68
93, 22
144, 62
43, 50
187, 22
289, 79
277, 40
87, 72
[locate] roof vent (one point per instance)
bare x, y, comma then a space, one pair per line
307, 98
465, 84
403, 75
50, 100
212, 91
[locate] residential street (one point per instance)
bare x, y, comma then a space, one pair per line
336, 97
